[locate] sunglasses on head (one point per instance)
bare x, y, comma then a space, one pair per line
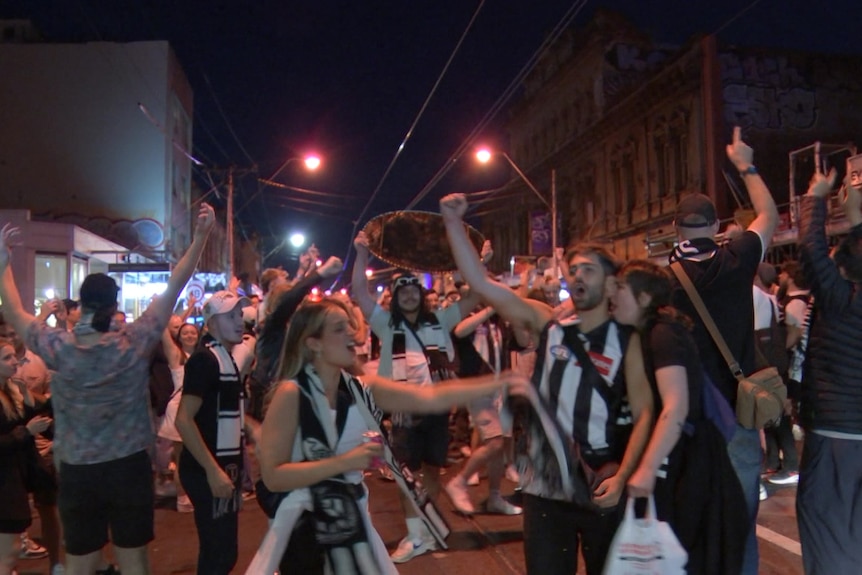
406, 281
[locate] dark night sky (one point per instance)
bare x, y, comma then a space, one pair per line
347, 79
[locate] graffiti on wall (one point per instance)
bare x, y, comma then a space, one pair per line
767, 93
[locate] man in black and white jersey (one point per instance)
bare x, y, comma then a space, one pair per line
588, 403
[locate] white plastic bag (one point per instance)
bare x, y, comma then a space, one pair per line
645, 546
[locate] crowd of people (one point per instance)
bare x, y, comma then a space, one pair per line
619, 391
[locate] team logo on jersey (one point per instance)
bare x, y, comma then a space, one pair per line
603, 363
561, 352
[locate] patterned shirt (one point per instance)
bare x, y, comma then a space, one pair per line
99, 392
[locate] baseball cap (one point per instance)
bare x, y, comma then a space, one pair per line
99, 290
222, 302
695, 211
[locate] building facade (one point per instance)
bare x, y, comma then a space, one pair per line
627, 126
97, 134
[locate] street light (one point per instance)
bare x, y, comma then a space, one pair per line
483, 155
297, 240
312, 162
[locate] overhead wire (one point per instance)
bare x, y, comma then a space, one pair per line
512, 88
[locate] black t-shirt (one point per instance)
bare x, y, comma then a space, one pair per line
724, 283
670, 344
202, 379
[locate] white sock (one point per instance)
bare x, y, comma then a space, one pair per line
415, 528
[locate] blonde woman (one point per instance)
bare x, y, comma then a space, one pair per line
313, 432
18, 426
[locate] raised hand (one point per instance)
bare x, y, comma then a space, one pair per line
820, 185
206, 219
739, 152
6, 234
453, 206
360, 242
331, 267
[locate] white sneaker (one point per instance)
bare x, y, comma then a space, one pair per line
474, 480
408, 549
30, 549
457, 492
763, 493
798, 433
500, 506
58, 569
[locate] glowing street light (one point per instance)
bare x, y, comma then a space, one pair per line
297, 240
483, 155
311, 162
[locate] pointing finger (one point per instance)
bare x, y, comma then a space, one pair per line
737, 135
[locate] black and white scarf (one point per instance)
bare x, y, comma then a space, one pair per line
696, 249
433, 340
230, 426
342, 534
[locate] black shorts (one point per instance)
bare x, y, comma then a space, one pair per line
425, 442
116, 495
14, 526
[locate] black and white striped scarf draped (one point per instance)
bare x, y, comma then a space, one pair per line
693, 250
433, 340
230, 427
338, 518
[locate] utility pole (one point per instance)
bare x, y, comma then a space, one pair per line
230, 223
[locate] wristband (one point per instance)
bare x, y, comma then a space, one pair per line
749, 170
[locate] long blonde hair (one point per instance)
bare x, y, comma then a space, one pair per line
11, 399
308, 321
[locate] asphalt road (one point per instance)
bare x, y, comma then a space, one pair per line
481, 545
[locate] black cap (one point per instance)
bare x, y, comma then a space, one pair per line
695, 211
99, 290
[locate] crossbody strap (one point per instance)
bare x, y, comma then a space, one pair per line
695, 298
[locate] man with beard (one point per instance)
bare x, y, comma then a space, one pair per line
210, 420
602, 406
415, 348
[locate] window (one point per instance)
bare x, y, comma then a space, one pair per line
52, 279
79, 272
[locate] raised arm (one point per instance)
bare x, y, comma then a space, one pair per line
511, 307
359, 282
392, 396
13, 309
163, 305
830, 289
469, 324
766, 214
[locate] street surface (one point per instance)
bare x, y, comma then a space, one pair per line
482, 545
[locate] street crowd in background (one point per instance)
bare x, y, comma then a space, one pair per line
633, 388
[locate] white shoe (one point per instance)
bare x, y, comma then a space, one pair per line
500, 506
457, 492
763, 493
30, 549
58, 569
408, 549
798, 433
474, 480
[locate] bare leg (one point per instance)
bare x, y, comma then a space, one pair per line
83, 564
9, 544
133, 560
50, 519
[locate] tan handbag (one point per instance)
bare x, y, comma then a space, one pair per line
760, 396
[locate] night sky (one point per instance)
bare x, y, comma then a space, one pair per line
347, 79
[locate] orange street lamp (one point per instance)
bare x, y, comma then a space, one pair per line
483, 155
